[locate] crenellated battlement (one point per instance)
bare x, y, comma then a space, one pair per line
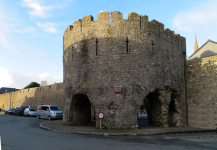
113, 25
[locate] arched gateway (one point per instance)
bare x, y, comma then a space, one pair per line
115, 65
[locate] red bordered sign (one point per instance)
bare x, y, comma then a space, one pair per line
101, 115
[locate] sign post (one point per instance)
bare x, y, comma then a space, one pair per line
101, 116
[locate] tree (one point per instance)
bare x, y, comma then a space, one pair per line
31, 85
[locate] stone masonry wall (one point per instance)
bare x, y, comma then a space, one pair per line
47, 95
201, 92
137, 54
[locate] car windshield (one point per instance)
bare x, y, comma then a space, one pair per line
11, 109
54, 108
32, 109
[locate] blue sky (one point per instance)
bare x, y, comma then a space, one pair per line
31, 31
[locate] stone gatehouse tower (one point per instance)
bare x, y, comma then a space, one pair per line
139, 56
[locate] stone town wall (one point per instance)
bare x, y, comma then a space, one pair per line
137, 54
47, 95
201, 92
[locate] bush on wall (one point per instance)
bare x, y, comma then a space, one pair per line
31, 85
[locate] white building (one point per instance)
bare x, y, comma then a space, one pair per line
43, 83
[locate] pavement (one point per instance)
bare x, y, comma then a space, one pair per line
143, 129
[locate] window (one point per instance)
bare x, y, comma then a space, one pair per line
55, 108
45, 108
127, 41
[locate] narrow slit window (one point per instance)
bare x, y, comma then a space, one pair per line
127, 44
96, 46
140, 21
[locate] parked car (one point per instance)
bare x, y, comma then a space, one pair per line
9, 111
19, 110
144, 116
30, 112
49, 112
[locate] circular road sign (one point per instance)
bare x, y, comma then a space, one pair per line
101, 115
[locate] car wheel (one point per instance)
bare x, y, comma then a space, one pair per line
18, 114
13, 114
49, 118
38, 117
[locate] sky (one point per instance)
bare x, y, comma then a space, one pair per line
31, 31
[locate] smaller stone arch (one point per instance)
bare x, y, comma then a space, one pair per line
162, 107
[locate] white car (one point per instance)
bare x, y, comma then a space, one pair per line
49, 112
29, 112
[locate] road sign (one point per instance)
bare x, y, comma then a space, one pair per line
101, 115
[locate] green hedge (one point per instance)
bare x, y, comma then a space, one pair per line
31, 85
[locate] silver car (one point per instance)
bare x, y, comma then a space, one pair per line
49, 112
29, 112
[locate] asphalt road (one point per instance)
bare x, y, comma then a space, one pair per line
23, 133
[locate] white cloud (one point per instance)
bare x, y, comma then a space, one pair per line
63, 4
38, 10
202, 16
10, 78
47, 27
29, 29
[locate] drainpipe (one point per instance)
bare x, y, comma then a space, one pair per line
186, 102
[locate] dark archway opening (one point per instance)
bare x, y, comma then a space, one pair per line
81, 110
159, 109
143, 117
150, 110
